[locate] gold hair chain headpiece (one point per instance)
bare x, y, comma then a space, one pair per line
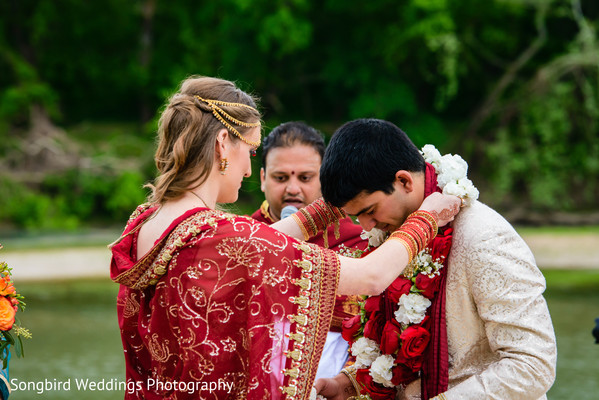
219, 113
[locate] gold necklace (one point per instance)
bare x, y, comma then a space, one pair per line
198, 196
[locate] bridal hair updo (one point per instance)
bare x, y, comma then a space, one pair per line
188, 128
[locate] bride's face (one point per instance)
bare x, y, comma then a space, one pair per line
240, 166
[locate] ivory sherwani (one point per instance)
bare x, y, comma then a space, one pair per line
500, 336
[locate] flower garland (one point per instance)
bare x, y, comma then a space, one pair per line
451, 174
390, 335
10, 329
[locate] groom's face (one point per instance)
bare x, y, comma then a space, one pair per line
379, 209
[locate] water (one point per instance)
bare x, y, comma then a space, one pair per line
76, 337
573, 313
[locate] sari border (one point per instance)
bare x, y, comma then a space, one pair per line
316, 302
150, 268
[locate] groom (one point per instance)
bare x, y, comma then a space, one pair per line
491, 330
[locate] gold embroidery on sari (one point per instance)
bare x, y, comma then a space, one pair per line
149, 270
131, 306
202, 306
158, 349
315, 308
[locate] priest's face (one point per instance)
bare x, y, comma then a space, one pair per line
290, 177
381, 210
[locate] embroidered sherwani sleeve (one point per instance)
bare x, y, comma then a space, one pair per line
506, 288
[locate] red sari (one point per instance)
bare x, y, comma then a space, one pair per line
219, 306
348, 242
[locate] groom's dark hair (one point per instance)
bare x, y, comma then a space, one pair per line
364, 155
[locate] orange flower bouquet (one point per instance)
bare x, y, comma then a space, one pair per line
11, 332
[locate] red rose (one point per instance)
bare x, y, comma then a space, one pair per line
370, 387
372, 304
414, 341
374, 326
403, 375
414, 363
390, 337
399, 286
428, 286
351, 328
426, 323
441, 244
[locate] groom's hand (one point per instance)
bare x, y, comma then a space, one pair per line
337, 388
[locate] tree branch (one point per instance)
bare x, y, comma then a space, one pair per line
510, 74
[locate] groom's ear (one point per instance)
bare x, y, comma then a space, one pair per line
404, 180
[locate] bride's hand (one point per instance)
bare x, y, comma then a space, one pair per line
443, 207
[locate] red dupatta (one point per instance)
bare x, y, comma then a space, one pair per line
435, 368
348, 243
219, 307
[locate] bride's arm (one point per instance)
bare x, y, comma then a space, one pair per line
289, 227
369, 275
372, 274
444, 207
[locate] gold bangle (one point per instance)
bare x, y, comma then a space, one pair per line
311, 223
353, 382
301, 226
408, 241
428, 216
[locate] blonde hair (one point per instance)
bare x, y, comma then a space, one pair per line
187, 132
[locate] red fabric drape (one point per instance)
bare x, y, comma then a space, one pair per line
204, 314
435, 368
348, 242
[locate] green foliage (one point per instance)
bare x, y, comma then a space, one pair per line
510, 85
69, 200
125, 194
546, 140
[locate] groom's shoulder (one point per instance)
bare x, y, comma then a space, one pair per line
479, 220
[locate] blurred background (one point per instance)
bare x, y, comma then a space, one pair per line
510, 85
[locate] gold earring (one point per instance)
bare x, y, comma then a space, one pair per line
224, 165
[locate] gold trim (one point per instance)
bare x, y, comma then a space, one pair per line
315, 309
264, 210
149, 269
301, 226
219, 113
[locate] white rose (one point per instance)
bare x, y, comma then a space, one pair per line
431, 154
452, 173
375, 237
455, 189
470, 190
412, 308
451, 169
464, 189
366, 351
381, 370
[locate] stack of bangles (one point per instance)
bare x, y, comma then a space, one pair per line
316, 217
416, 232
